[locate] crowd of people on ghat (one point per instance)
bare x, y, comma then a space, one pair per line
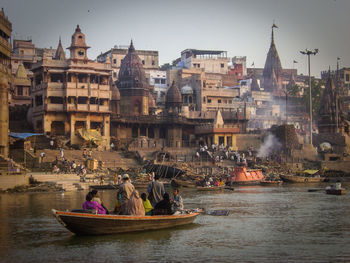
129, 201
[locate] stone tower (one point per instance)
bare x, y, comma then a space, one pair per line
133, 86
78, 48
272, 74
173, 99
60, 55
327, 122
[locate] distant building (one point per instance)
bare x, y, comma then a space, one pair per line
239, 67
212, 61
149, 59
5, 80
71, 97
157, 79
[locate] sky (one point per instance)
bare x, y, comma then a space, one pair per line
240, 27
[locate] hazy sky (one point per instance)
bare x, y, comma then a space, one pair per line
243, 28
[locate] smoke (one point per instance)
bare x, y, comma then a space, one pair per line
270, 145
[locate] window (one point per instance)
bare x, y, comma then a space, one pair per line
209, 100
114, 61
219, 101
19, 91
38, 100
230, 101
143, 62
153, 62
115, 74
81, 53
203, 99
222, 65
162, 81
157, 81
56, 100
80, 37
347, 77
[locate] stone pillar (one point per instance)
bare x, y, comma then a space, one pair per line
156, 132
4, 116
87, 122
72, 128
106, 127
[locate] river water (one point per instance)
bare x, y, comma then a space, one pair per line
265, 224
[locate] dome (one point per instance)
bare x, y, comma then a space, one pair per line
186, 90
173, 95
131, 74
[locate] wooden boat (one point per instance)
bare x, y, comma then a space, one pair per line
210, 188
95, 224
270, 182
241, 175
182, 183
301, 179
333, 191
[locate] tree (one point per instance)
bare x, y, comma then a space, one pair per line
317, 92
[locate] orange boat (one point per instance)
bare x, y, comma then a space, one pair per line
241, 175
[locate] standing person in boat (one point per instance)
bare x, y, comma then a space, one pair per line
155, 191
135, 205
177, 202
146, 204
125, 191
89, 204
96, 198
163, 207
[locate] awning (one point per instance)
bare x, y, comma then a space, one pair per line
23, 135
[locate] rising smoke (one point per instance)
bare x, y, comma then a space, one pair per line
270, 145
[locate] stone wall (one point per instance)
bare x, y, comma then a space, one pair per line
244, 141
10, 181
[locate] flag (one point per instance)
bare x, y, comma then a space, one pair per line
253, 64
274, 25
294, 61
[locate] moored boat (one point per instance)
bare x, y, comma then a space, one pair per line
301, 179
271, 182
95, 224
210, 188
241, 175
182, 183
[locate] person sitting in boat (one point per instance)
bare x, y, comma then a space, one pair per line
135, 206
163, 207
125, 191
177, 202
89, 205
96, 198
155, 191
146, 204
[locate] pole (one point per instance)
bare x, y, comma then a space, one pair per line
308, 53
310, 94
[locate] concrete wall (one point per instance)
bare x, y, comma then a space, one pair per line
10, 181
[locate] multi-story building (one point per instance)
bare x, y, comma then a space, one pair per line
149, 59
72, 96
239, 67
5, 80
23, 52
20, 94
213, 61
157, 79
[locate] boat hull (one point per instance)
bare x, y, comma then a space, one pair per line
336, 191
242, 176
267, 183
94, 224
301, 179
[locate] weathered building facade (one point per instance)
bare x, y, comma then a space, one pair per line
5, 80
72, 96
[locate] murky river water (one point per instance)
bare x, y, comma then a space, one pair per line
266, 224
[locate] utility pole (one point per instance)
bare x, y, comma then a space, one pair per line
308, 53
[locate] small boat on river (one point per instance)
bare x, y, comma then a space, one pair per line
271, 182
241, 175
210, 188
182, 183
341, 191
301, 179
95, 224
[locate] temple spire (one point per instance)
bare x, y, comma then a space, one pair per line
60, 55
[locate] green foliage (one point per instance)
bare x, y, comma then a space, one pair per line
293, 91
317, 93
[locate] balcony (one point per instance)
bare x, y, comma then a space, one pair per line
104, 87
93, 86
93, 107
82, 107
71, 85
210, 129
94, 93
55, 85
54, 107
71, 107
103, 108
104, 94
